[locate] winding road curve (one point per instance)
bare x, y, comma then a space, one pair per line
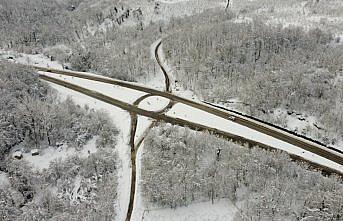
160, 116
159, 62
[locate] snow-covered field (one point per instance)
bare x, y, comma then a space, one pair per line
4, 181
139, 206
142, 124
30, 59
154, 103
47, 155
222, 210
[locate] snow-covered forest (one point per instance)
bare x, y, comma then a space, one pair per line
267, 68
32, 117
264, 185
70, 155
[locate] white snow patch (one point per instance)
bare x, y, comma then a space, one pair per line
297, 123
47, 155
171, 1
142, 124
30, 59
138, 207
77, 185
154, 103
89, 148
222, 210
4, 181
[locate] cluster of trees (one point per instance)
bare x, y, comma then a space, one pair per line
31, 25
122, 53
27, 24
267, 185
266, 67
88, 35
276, 7
125, 53
32, 115
73, 189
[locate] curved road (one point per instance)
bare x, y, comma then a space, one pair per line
159, 62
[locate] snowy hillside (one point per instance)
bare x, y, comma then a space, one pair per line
106, 110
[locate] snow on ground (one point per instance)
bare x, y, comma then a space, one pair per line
222, 210
164, 10
154, 103
194, 115
121, 93
47, 155
171, 1
77, 184
30, 59
4, 181
142, 124
138, 207
295, 122
167, 67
